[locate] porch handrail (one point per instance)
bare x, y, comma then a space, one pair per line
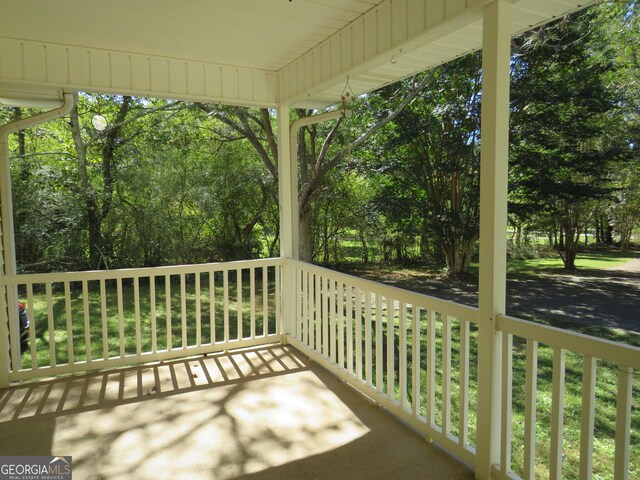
342, 322
57, 277
593, 350
452, 308
600, 348
81, 307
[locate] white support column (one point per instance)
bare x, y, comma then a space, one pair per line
288, 204
496, 44
8, 260
9, 312
287, 187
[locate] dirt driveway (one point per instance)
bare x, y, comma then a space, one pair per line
609, 298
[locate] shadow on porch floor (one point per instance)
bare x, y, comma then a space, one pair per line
262, 413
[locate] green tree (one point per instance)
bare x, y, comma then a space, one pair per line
97, 148
625, 211
565, 125
47, 218
620, 23
185, 197
432, 162
321, 148
154, 187
342, 211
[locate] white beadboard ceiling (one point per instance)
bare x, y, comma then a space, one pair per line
250, 52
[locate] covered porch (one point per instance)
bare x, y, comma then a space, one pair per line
444, 369
217, 329
263, 412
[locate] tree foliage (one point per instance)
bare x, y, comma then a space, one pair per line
566, 125
431, 163
174, 182
156, 187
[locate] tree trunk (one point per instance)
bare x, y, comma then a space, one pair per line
386, 249
365, 249
399, 249
570, 259
96, 259
326, 255
519, 235
609, 235
459, 255
625, 240
25, 246
274, 243
108, 150
306, 235
468, 255
570, 248
424, 246
599, 236
25, 170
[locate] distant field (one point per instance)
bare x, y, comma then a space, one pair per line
588, 261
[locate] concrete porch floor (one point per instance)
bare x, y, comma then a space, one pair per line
261, 413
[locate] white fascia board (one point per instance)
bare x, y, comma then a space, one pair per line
34, 65
381, 36
428, 31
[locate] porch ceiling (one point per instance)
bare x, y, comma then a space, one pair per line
250, 52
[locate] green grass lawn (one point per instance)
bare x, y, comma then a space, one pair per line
545, 264
600, 260
209, 331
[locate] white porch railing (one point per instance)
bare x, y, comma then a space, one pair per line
416, 356
413, 354
84, 321
396, 347
578, 363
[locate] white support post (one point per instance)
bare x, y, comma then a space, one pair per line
288, 174
288, 204
493, 225
287, 187
8, 260
5, 251
9, 312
